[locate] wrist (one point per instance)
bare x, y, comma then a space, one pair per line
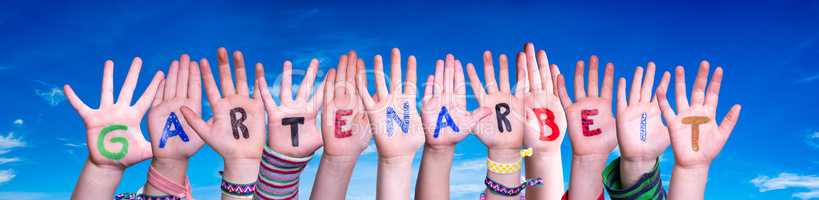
241, 171
173, 169
439, 149
504, 155
106, 170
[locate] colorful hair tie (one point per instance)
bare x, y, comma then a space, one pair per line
501, 189
162, 183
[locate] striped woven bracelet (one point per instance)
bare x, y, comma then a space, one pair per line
279, 175
240, 191
501, 189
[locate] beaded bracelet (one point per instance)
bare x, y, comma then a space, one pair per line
501, 189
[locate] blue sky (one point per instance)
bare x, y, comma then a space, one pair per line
768, 50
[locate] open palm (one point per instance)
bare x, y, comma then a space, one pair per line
444, 115
345, 127
640, 130
501, 99
695, 136
183, 87
597, 136
545, 118
113, 130
393, 138
292, 125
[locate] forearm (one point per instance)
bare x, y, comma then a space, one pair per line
549, 166
394, 176
333, 176
631, 170
586, 180
510, 179
173, 169
433, 177
241, 171
688, 183
97, 182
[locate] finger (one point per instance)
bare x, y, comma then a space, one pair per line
395, 71
306, 86
285, 89
698, 92
648, 83
460, 86
225, 77
438, 87
184, 75
317, 98
170, 82
475, 116
352, 58
267, 98
545, 72
428, 88
75, 101
211, 90
712, 97
636, 81
449, 74
593, 78
361, 85
621, 95
522, 84
505, 87
665, 107
679, 89
475, 82
729, 121
579, 88
489, 73
556, 71
127, 90
329, 91
532, 69
410, 87
608, 81
257, 93
144, 101
380, 83
195, 83
564, 95
159, 94
201, 127
342, 74
107, 97
241, 73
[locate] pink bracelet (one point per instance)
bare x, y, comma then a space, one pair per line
162, 183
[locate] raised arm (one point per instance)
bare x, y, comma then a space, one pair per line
345, 130
172, 138
591, 128
446, 122
115, 140
395, 123
236, 129
545, 126
695, 136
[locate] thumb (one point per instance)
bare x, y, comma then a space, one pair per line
200, 127
476, 116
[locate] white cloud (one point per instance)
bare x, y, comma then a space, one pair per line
18, 122
790, 181
6, 175
813, 139
53, 96
32, 195
8, 160
808, 79
815, 135
9, 141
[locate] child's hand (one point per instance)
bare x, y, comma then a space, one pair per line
345, 126
545, 118
591, 124
182, 87
292, 125
695, 136
503, 129
236, 129
446, 120
394, 116
113, 130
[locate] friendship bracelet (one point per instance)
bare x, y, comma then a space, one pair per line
279, 175
649, 186
508, 168
501, 189
237, 190
161, 183
135, 196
